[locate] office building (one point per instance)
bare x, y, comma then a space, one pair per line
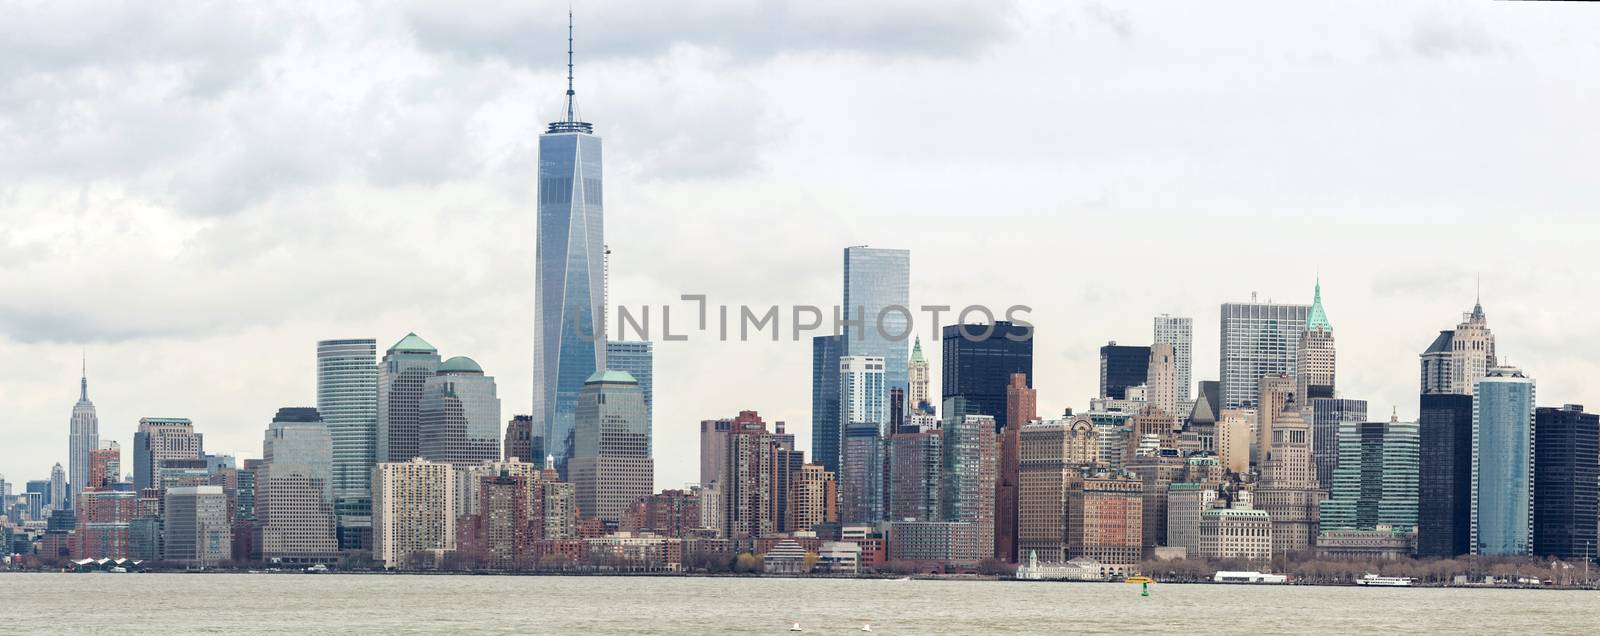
105, 466
459, 415
1566, 478
1105, 521
1122, 366
864, 419
877, 295
1288, 490
1258, 339
1178, 331
159, 439
1186, 501
1021, 408
195, 527
1051, 454
637, 357
914, 467
84, 436
1234, 439
1275, 393
347, 399
1327, 416
1502, 463
1314, 355
413, 511
1456, 359
969, 471
1238, 532
611, 465
1375, 482
918, 397
936, 542
406, 368
520, 440
1444, 467
103, 524
825, 432
978, 362
294, 491
1157, 469
1161, 380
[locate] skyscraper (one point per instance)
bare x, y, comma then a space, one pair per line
406, 368
611, 464
1289, 491
1021, 408
1327, 415
1178, 331
1257, 339
1502, 463
159, 439
1457, 358
1161, 378
1274, 396
1122, 366
459, 415
1314, 354
876, 282
915, 459
1375, 482
825, 431
59, 500
864, 418
569, 288
638, 359
1444, 466
978, 362
84, 437
917, 375
347, 399
1566, 482
519, 440
969, 470
294, 494
1051, 455
195, 529
412, 510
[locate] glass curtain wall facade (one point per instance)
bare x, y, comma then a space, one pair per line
347, 398
1178, 331
1502, 464
877, 285
1444, 467
1257, 339
637, 357
978, 364
825, 431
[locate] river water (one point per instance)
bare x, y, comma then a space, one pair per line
300, 603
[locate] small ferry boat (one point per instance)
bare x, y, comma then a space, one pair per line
1249, 577
1138, 579
1385, 581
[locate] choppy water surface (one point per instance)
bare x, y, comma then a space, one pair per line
297, 603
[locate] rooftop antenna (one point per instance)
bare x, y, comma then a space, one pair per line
571, 116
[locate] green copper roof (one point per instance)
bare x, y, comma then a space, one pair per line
412, 343
916, 351
460, 364
1317, 319
611, 375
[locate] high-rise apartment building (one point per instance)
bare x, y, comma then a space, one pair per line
877, 287
969, 471
737, 461
1444, 466
103, 524
195, 528
918, 397
813, 498
104, 467
611, 465
569, 342
1375, 481
1161, 379
159, 439
405, 369
825, 432
84, 436
1566, 482
1314, 355
347, 399
1258, 339
914, 467
1122, 366
637, 357
1178, 331
1502, 463
978, 362
459, 415
864, 419
1327, 416
1021, 408
413, 510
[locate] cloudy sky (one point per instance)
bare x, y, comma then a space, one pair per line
194, 195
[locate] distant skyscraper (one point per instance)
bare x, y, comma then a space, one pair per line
1122, 366
1375, 483
1457, 358
1566, 482
915, 460
978, 362
864, 418
59, 500
875, 281
295, 494
611, 464
969, 470
84, 437
742, 457
1327, 415
298, 441
413, 510
1234, 441
1502, 463
519, 439
459, 415
159, 439
347, 399
1051, 456
405, 369
917, 375
1314, 355
1178, 331
638, 359
1257, 339
1161, 379
195, 528
1275, 393
569, 289
105, 466
825, 431
1288, 490
1444, 519
1021, 408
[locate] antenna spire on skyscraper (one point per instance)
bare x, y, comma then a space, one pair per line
570, 122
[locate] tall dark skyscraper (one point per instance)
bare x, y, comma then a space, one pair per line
1444, 469
978, 363
825, 434
1122, 366
1566, 482
569, 295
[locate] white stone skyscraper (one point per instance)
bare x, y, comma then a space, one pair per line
569, 342
1314, 355
347, 399
1161, 380
917, 376
83, 437
1178, 331
1457, 358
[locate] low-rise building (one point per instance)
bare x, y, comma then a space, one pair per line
1235, 533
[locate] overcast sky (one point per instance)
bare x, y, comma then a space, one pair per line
195, 195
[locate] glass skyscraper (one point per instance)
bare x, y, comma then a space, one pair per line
347, 398
979, 369
569, 269
1122, 366
876, 281
1566, 482
825, 431
1178, 331
1445, 475
1502, 463
1375, 482
1258, 339
638, 359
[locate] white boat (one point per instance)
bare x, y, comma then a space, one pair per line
316, 569
796, 628
1385, 581
1249, 577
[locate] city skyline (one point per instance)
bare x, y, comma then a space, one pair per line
239, 371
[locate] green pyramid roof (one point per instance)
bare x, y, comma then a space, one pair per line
916, 351
412, 343
612, 375
1317, 319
